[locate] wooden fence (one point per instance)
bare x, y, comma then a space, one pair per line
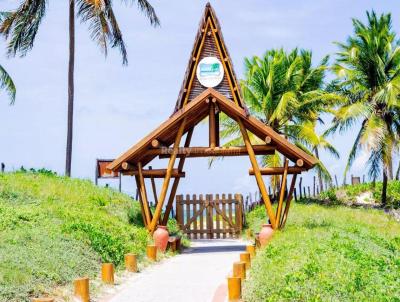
209, 216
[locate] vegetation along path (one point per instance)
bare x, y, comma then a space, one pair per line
197, 275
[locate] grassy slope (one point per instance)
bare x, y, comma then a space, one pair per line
55, 229
328, 254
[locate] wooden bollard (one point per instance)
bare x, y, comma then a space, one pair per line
251, 249
245, 257
81, 289
234, 289
151, 252
107, 273
131, 263
239, 270
48, 299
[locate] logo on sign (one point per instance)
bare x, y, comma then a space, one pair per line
210, 72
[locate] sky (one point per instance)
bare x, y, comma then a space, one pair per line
117, 105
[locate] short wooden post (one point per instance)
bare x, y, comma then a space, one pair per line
239, 270
300, 191
107, 273
81, 289
151, 252
3, 167
48, 299
309, 191
246, 258
131, 263
251, 249
234, 289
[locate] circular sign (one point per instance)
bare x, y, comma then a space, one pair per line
210, 72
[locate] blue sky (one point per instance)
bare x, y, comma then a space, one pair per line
115, 105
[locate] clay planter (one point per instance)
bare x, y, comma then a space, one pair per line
266, 234
161, 237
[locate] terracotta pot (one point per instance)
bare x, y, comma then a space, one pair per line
161, 237
266, 234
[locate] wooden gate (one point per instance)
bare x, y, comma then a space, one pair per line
210, 217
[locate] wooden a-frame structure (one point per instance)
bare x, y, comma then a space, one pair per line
194, 104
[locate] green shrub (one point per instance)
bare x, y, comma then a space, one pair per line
327, 254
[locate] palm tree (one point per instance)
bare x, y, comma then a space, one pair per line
368, 75
20, 27
7, 83
286, 92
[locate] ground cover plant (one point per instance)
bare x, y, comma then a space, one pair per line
54, 229
327, 253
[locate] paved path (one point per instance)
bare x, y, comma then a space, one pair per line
196, 275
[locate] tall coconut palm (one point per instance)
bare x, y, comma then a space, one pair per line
285, 91
368, 75
7, 84
20, 27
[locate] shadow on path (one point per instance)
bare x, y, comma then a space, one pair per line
215, 246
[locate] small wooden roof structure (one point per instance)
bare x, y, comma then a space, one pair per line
194, 104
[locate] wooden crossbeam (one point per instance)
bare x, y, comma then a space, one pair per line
278, 170
208, 152
282, 191
176, 180
155, 173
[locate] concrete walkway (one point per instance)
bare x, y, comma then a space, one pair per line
197, 275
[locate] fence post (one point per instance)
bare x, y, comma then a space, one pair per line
300, 192
309, 191
314, 186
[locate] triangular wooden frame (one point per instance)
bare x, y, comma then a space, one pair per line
164, 141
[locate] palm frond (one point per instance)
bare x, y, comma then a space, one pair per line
7, 83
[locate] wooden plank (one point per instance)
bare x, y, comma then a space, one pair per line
278, 170
282, 192
217, 218
223, 211
260, 181
195, 214
209, 217
208, 152
167, 178
230, 216
156, 173
187, 213
201, 200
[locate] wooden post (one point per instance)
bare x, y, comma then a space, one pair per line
139, 197
81, 289
289, 200
212, 126
251, 249
246, 258
282, 192
151, 252
304, 191
295, 192
143, 193
153, 186
234, 289
131, 263
300, 190
120, 181
167, 178
239, 270
309, 191
107, 273
175, 184
314, 180
257, 173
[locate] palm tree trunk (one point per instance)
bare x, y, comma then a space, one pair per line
321, 184
71, 65
384, 186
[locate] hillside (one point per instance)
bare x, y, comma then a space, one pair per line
327, 253
54, 229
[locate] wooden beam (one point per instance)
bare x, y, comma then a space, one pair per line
282, 191
278, 170
155, 173
140, 200
176, 180
217, 136
299, 163
127, 166
155, 143
217, 151
144, 194
288, 201
259, 179
212, 126
268, 140
167, 178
